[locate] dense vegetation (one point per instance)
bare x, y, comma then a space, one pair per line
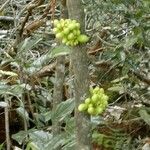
44, 81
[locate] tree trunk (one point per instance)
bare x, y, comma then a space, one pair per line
79, 61
58, 92
59, 80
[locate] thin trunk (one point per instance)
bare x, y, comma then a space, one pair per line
79, 61
58, 92
59, 80
8, 144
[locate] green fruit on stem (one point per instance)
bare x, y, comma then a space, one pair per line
72, 26
91, 111
95, 98
104, 97
64, 40
55, 30
90, 105
82, 107
59, 26
87, 101
66, 31
59, 35
96, 90
78, 25
70, 36
101, 90
99, 110
55, 22
91, 90
105, 103
83, 38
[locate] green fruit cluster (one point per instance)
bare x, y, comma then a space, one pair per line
96, 103
68, 31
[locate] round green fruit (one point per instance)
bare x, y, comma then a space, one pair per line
70, 36
66, 31
87, 101
91, 111
78, 25
55, 30
101, 90
95, 98
59, 26
91, 90
72, 26
64, 40
55, 22
59, 35
104, 97
78, 32
105, 103
90, 105
99, 110
82, 107
83, 38
96, 90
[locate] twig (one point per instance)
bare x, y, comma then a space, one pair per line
21, 27
3, 6
141, 77
6, 18
3, 32
112, 45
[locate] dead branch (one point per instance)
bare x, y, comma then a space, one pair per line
141, 77
6, 19
20, 29
46, 71
4, 5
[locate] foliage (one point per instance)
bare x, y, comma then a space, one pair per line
119, 64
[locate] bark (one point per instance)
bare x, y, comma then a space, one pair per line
8, 144
59, 80
79, 61
58, 92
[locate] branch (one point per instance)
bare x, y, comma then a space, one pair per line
4, 5
141, 77
6, 18
22, 26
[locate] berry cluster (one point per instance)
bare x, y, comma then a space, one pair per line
68, 31
96, 103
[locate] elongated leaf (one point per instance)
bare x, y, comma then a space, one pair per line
63, 109
23, 113
21, 135
28, 43
39, 63
145, 116
60, 50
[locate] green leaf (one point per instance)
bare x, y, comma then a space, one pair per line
117, 88
21, 136
1, 146
130, 41
145, 116
63, 109
23, 113
28, 43
56, 141
32, 146
120, 79
39, 139
60, 50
